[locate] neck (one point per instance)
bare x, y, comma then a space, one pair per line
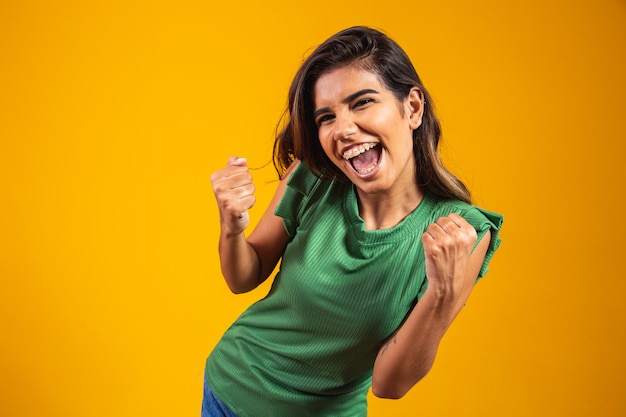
385, 210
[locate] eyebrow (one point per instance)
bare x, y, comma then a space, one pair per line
346, 100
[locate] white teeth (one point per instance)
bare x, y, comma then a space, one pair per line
358, 150
367, 170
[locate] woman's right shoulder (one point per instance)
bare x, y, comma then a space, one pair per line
291, 168
298, 194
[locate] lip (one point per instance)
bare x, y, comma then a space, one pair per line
349, 168
343, 151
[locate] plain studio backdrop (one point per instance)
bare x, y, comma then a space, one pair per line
114, 114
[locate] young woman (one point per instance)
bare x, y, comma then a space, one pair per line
379, 244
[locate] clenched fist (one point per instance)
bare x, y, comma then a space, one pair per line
448, 245
234, 192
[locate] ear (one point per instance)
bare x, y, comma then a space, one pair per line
415, 107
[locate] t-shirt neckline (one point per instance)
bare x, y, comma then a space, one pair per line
411, 224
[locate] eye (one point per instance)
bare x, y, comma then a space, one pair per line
363, 102
324, 119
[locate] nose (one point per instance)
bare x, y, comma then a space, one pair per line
344, 127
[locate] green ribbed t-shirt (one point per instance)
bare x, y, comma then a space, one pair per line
307, 349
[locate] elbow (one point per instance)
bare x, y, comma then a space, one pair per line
239, 283
387, 393
239, 289
241, 286
396, 388
389, 390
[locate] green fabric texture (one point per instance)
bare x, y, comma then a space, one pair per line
308, 347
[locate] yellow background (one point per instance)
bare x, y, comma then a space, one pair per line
113, 115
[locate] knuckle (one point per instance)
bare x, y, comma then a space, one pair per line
216, 177
217, 188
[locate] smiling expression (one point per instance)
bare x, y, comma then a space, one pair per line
365, 131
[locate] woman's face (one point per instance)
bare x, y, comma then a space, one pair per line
365, 131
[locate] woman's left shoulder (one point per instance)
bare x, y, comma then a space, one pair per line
484, 221
477, 216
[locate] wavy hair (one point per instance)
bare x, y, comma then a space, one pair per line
377, 53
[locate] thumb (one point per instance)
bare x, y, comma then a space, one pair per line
236, 161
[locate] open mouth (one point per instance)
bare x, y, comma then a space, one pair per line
363, 158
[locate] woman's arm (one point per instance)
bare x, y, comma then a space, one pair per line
246, 262
451, 269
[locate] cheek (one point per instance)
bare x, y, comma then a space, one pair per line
383, 121
327, 142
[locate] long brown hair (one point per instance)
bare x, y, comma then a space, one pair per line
377, 53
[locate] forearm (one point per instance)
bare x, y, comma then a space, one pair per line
239, 262
410, 353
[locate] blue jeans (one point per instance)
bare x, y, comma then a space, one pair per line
212, 406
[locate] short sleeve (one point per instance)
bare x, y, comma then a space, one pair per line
297, 193
482, 220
